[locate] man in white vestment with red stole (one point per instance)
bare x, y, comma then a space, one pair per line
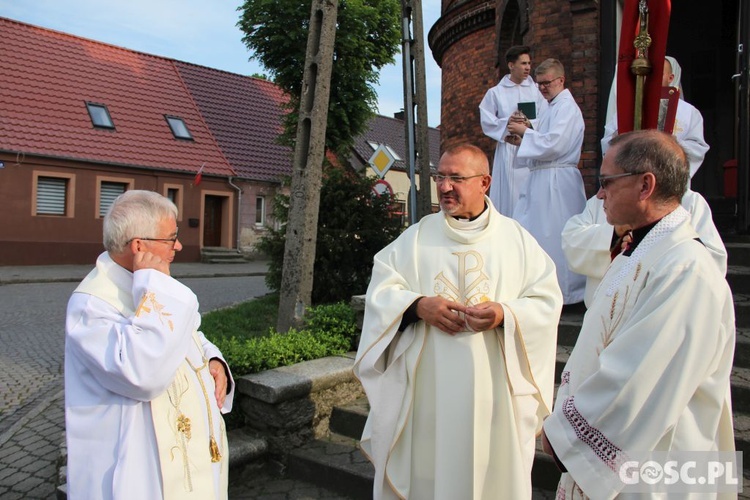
458, 346
144, 389
651, 367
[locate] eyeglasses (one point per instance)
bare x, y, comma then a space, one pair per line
172, 240
606, 180
547, 83
454, 179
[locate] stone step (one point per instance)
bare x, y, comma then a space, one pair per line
738, 253
246, 449
742, 435
741, 390
742, 348
218, 255
349, 420
742, 309
568, 330
738, 278
335, 463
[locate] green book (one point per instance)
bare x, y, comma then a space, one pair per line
528, 109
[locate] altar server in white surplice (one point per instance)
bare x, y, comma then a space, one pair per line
144, 389
498, 104
457, 353
588, 239
650, 370
554, 190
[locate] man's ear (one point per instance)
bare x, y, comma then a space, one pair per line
648, 186
135, 246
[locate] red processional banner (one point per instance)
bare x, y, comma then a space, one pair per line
658, 30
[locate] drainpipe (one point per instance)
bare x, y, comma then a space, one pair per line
239, 209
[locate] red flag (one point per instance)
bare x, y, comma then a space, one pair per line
199, 176
658, 30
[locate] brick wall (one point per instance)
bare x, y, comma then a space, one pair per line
468, 71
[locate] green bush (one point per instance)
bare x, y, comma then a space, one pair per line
328, 330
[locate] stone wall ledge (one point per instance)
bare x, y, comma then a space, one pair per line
299, 380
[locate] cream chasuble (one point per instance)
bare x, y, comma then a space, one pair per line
650, 370
456, 416
180, 432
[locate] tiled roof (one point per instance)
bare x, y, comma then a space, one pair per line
392, 133
244, 114
48, 77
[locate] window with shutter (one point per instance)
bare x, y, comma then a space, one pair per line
51, 195
109, 191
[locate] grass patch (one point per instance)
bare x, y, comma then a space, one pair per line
246, 320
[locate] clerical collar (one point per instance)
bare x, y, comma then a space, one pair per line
638, 235
474, 224
472, 218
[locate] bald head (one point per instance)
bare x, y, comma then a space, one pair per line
474, 159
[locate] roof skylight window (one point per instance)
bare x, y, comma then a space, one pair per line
100, 115
178, 127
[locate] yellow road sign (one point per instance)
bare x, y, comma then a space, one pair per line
381, 160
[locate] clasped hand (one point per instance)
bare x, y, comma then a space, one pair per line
452, 317
517, 125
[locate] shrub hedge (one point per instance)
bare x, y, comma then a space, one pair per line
327, 330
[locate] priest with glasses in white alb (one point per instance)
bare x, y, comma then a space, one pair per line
144, 389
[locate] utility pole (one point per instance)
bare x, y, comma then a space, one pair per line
415, 98
309, 151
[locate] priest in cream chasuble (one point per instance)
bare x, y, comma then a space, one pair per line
455, 408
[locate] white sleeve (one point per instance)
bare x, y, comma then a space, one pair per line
691, 140
137, 356
703, 223
492, 125
586, 239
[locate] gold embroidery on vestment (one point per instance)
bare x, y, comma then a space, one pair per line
149, 299
475, 291
183, 431
615, 315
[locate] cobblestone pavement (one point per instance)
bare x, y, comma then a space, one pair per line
32, 316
